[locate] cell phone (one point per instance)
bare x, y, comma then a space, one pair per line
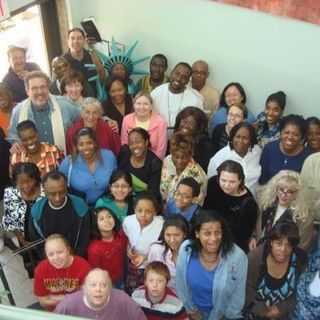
90, 28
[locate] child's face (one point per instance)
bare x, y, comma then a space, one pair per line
120, 189
173, 237
156, 285
145, 211
57, 253
105, 221
183, 196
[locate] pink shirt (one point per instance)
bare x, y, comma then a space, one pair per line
157, 131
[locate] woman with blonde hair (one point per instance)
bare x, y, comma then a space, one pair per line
145, 117
282, 200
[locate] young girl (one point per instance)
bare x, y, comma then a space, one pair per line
61, 273
108, 249
175, 230
142, 229
119, 200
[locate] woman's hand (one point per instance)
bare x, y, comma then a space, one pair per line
194, 315
273, 312
135, 258
114, 126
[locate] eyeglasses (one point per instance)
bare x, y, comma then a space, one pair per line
120, 186
182, 195
287, 192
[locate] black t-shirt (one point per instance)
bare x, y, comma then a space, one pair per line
149, 173
64, 221
240, 212
111, 111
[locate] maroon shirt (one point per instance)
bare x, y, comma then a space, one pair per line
106, 138
120, 306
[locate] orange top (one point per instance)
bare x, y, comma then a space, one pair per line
4, 121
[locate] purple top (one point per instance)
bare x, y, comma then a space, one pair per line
120, 306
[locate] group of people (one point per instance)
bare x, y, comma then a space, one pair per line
166, 200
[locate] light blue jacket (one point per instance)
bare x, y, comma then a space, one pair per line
70, 113
229, 287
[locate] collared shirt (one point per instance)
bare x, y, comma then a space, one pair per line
170, 179
80, 178
69, 113
43, 121
265, 133
145, 85
50, 157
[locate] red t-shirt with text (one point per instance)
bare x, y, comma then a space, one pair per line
49, 280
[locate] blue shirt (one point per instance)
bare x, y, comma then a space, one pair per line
43, 121
69, 113
93, 184
221, 117
187, 213
273, 160
200, 281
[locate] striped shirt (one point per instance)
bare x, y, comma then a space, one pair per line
50, 158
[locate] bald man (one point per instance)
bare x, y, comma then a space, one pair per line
200, 74
98, 300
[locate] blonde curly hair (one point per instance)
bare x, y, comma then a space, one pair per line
291, 180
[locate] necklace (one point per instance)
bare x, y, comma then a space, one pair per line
174, 107
60, 207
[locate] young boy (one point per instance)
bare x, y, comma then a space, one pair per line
155, 298
184, 200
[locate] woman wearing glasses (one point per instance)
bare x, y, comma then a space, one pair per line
282, 200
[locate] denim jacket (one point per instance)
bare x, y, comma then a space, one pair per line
229, 285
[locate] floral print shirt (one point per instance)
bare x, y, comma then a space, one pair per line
15, 209
170, 179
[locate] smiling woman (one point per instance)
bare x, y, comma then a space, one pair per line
273, 274
45, 156
234, 201
145, 117
90, 168
60, 274
287, 153
91, 117
211, 270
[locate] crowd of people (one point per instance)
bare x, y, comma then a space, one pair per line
167, 200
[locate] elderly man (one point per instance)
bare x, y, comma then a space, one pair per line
60, 212
97, 300
52, 115
200, 73
14, 79
170, 98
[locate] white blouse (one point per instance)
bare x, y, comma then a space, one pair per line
141, 238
